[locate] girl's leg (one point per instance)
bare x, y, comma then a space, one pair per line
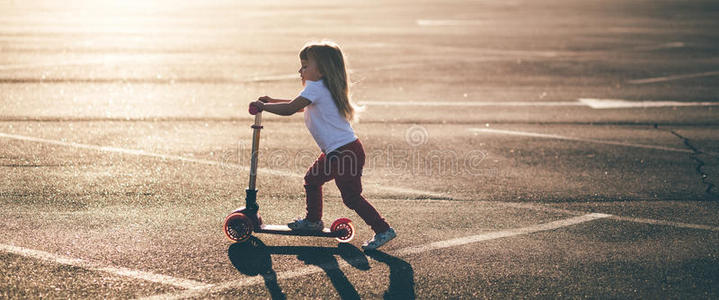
351, 191
350, 161
315, 177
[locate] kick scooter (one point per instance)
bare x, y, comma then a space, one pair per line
240, 224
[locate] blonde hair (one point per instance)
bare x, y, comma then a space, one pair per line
331, 64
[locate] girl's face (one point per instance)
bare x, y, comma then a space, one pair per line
309, 70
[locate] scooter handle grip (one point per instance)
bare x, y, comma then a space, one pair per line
254, 109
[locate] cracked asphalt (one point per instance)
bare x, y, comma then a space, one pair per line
124, 143
701, 170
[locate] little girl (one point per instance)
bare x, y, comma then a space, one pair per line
328, 111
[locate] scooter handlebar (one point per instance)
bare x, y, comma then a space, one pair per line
254, 109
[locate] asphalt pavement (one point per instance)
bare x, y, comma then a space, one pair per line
521, 149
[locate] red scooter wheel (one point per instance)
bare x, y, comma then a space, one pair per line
343, 224
238, 227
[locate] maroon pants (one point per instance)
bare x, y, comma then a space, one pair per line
344, 165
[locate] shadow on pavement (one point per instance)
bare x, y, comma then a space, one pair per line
254, 258
401, 275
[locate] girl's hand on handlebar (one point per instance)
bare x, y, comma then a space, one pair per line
256, 107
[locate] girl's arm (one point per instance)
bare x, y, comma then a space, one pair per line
282, 107
268, 99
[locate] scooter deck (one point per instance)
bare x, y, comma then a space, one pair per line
283, 229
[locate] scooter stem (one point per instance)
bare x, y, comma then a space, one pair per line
255, 149
251, 199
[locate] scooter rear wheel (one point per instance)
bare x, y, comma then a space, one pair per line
343, 224
238, 227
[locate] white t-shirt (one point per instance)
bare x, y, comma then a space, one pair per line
324, 121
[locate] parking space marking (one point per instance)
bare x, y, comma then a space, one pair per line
378, 186
674, 77
111, 149
560, 137
582, 102
103, 61
500, 234
619, 103
203, 161
125, 272
449, 22
195, 288
471, 103
666, 223
143, 153
670, 45
200, 292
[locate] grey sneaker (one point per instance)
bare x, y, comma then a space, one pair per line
379, 240
302, 224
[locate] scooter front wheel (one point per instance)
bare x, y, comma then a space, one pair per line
238, 227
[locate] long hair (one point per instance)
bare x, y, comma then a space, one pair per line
331, 64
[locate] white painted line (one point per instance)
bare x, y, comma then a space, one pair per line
666, 223
500, 234
378, 186
248, 281
472, 103
200, 161
618, 103
125, 272
449, 22
276, 77
401, 190
559, 137
45, 65
589, 102
401, 252
296, 76
105, 60
117, 150
391, 67
53, 64
671, 78
670, 45
196, 289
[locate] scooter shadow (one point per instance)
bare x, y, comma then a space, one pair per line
253, 258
